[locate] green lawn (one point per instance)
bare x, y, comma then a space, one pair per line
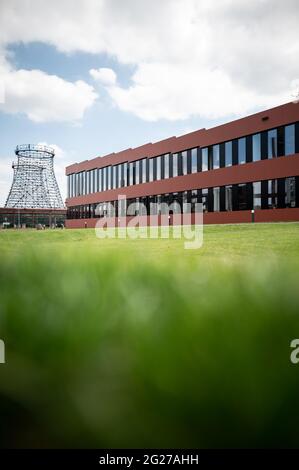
141, 343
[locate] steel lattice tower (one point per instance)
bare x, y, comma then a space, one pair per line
34, 184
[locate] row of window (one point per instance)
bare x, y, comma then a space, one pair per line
267, 194
265, 145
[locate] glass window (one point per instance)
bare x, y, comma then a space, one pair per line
205, 196
272, 194
114, 177
94, 177
290, 192
151, 169
242, 150
119, 176
228, 153
194, 161
144, 176
272, 143
106, 178
100, 179
205, 159
216, 199
166, 166
289, 140
81, 183
130, 174
228, 198
134, 172
91, 181
256, 147
117, 185
71, 186
241, 197
175, 164
109, 177
95, 172
87, 182
77, 184
210, 158
194, 199
137, 172
125, 174
184, 163
257, 195
216, 157
158, 162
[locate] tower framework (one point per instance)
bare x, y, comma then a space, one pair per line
34, 183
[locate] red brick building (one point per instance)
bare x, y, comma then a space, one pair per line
247, 164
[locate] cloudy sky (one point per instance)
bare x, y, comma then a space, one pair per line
95, 76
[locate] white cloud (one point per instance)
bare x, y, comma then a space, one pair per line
161, 91
43, 97
192, 57
104, 75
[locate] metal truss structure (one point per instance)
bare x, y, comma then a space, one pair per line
34, 184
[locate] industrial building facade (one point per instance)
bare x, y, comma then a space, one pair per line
30, 218
250, 163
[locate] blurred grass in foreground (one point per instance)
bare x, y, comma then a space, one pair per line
122, 343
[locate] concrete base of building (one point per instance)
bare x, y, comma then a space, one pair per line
235, 217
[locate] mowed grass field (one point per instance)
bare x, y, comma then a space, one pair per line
141, 343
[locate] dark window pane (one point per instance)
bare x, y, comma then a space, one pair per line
204, 199
166, 166
228, 198
144, 176
242, 150
256, 147
272, 143
125, 174
194, 161
184, 163
216, 157
257, 195
151, 169
290, 192
228, 153
205, 159
216, 199
137, 171
158, 169
175, 165
242, 196
289, 139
